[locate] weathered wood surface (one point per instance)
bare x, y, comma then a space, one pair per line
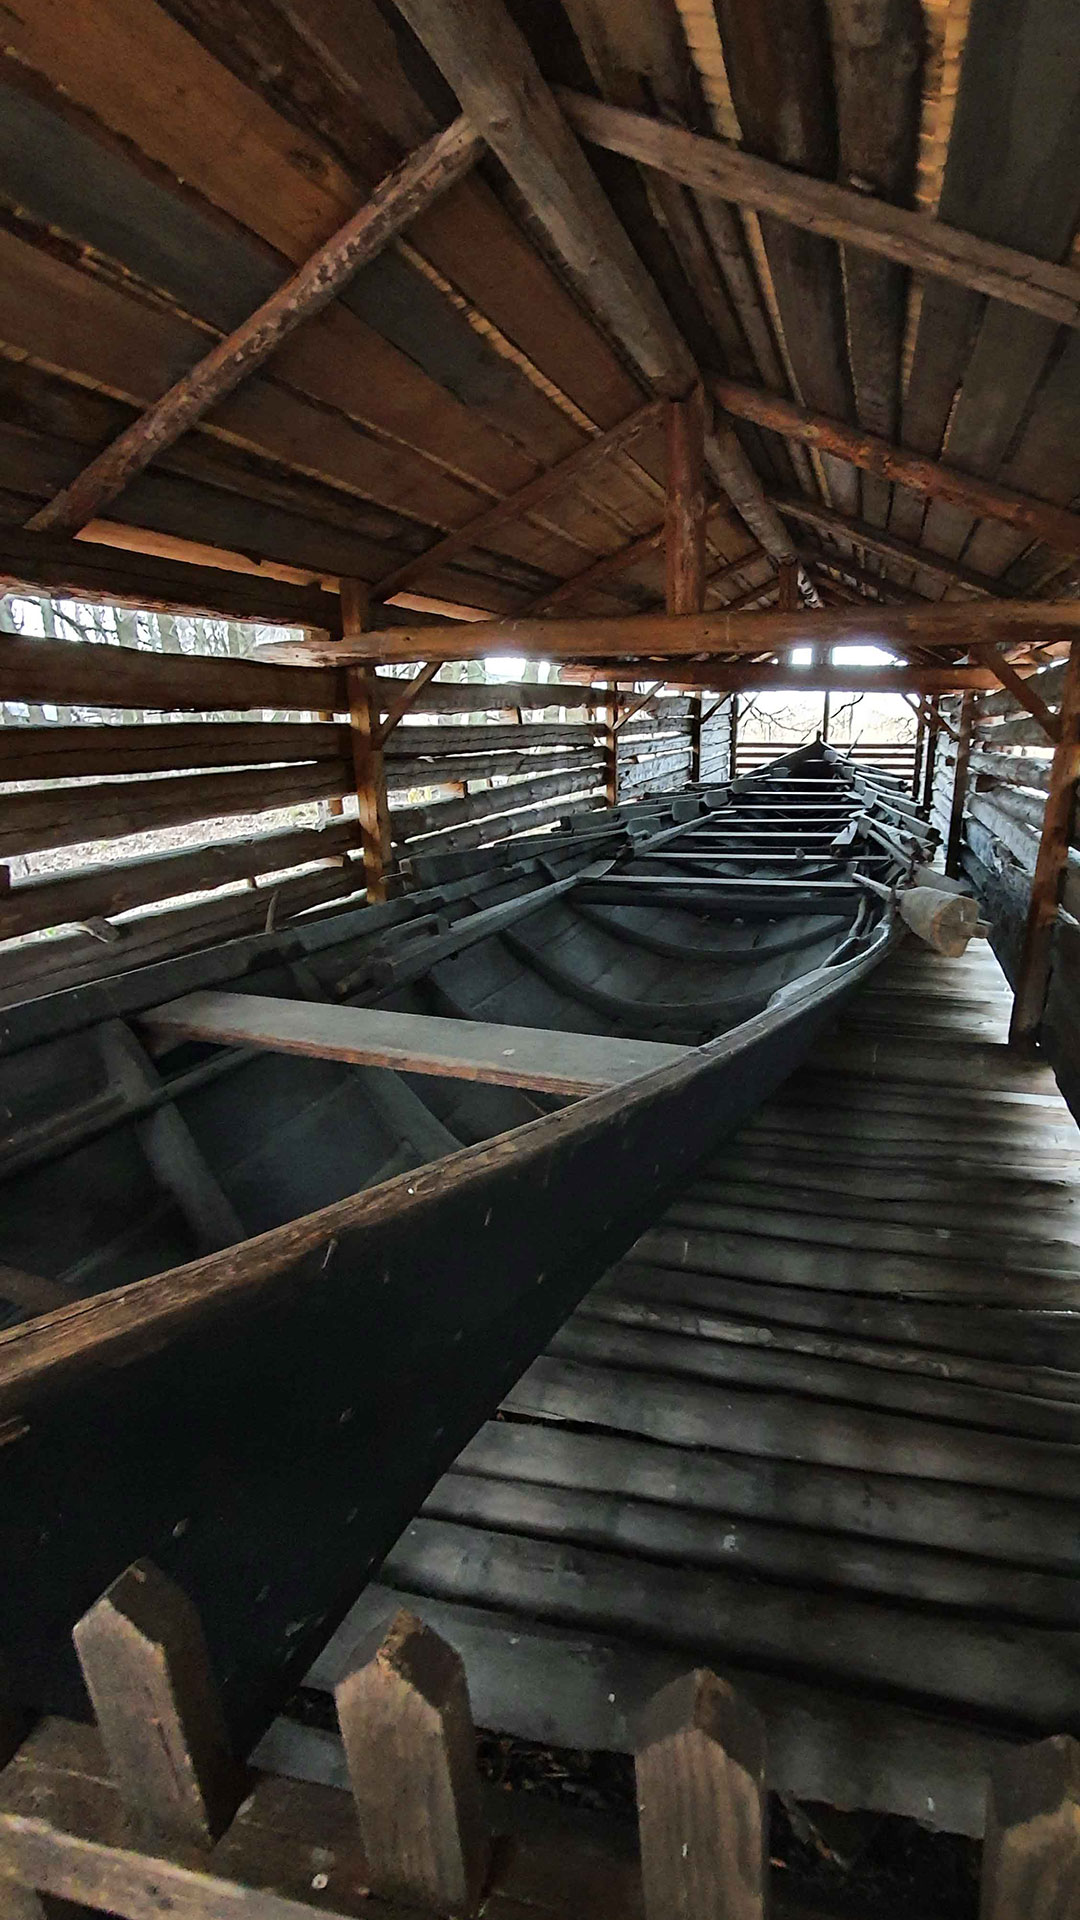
657, 636
414, 1043
104, 676
702, 1811
1034, 965
402, 197
1031, 1850
842, 213
730, 1426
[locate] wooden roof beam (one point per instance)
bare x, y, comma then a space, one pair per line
916, 240
487, 62
761, 677
408, 191
648, 636
841, 526
1035, 519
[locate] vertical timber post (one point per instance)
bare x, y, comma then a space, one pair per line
733, 737
405, 1719
920, 744
788, 598
1031, 1843
700, 1765
684, 530
369, 770
933, 728
955, 838
147, 1672
1033, 971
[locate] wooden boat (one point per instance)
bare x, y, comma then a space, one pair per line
317, 1198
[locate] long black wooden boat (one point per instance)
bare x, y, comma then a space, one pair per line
301, 1208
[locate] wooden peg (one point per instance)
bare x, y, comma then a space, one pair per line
700, 1763
1031, 1846
409, 1740
147, 1671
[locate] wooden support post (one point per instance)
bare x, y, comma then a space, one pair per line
700, 1766
789, 585
685, 529
955, 838
147, 1672
825, 704
933, 728
734, 748
1031, 1846
411, 1748
685, 505
369, 770
919, 708
1033, 971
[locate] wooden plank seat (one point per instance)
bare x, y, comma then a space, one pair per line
556, 1062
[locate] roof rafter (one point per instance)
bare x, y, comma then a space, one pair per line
915, 240
486, 60
1036, 519
842, 526
401, 197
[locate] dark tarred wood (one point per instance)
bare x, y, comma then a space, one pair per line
411, 1749
510, 1056
147, 1672
913, 240
405, 194
702, 1817
1031, 1847
1033, 970
1037, 519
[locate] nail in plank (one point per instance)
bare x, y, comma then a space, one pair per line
700, 1763
147, 1671
409, 1739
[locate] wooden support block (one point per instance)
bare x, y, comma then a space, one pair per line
147, 1672
411, 1748
700, 1764
1031, 1846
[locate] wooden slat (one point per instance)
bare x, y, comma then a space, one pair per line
847, 214
67, 674
64, 816
87, 570
97, 892
403, 196
414, 1043
847, 528
70, 753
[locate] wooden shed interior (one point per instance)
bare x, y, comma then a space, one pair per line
425, 426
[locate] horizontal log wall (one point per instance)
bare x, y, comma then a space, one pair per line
125, 836
1004, 800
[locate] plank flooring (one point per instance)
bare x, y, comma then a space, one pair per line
820, 1430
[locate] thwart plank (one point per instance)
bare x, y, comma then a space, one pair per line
575, 1063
